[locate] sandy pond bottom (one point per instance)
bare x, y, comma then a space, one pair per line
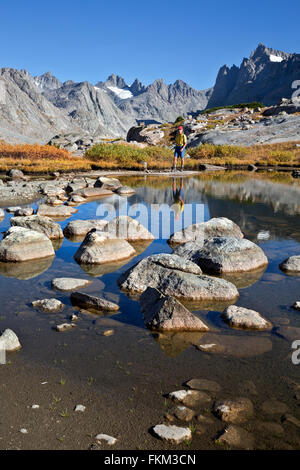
123, 379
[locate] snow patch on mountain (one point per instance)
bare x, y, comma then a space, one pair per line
122, 94
275, 58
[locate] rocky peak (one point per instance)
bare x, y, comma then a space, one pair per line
47, 81
137, 87
116, 81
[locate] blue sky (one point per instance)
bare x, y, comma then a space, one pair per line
190, 40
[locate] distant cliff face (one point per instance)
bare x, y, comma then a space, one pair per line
266, 76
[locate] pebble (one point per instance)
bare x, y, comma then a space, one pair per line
171, 433
24, 431
35, 407
108, 439
65, 326
80, 408
108, 332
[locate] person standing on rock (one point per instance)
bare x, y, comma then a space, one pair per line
180, 146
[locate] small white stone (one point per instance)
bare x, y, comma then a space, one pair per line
35, 407
24, 431
80, 408
174, 434
207, 346
109, 439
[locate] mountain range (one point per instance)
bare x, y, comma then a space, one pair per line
34, 109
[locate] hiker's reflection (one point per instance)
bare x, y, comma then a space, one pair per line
178, 197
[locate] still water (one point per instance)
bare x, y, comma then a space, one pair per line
267, 208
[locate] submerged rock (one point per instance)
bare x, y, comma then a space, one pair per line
179, 281
79, 228
183, 413
234, 345
228, 254
273, 407
21, 244
216, 227
237, 437
68, 283
244, 318
172, 434
9, 341
89, 301
203, 384
291, 264
2, 214
234, 410
127, 228
65, 326
190, 397
40, 224
165, 313
48, 305
101, 248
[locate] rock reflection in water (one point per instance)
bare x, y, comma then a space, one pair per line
174, 343
245, 279
96, 270
27, 269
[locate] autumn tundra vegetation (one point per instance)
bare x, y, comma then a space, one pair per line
38, 159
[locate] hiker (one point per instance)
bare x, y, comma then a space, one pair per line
179, 147
178, 198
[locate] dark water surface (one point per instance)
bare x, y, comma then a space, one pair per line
267, 208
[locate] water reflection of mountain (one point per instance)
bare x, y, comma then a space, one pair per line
254, 204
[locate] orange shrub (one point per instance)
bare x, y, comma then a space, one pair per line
33, 152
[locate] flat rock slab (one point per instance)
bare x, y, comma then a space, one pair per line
65, 284
203, 384
128, 229
79, 228
234, 345
93, 192
48, 305
40, 224
84, 300
178, 281
165, 313
216, 227
20, 244
101, 248
172, 434
227, 254
244, 318
190, 398
235, 410
291, 264
236, 437
124, 191
9, 341
56, 211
